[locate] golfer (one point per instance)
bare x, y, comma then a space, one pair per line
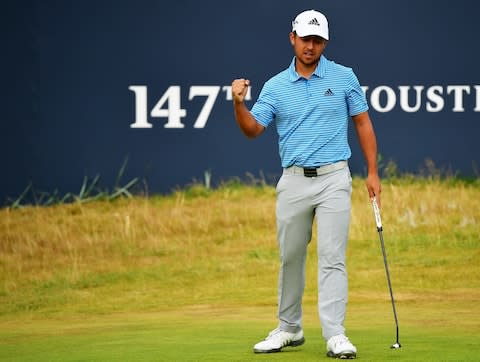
311, 103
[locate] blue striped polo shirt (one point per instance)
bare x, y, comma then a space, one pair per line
311, 115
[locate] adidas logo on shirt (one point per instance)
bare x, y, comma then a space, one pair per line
314, 21
328, 92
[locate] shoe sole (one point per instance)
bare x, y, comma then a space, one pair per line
342, 355
296, 343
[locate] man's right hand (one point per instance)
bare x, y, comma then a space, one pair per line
240, 89
245, 119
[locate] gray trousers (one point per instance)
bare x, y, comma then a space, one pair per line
300, 200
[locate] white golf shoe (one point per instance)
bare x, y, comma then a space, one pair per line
277, 339
340, 347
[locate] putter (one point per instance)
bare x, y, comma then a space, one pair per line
378, 221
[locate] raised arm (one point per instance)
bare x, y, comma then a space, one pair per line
245, 119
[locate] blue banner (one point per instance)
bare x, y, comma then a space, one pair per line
88, 84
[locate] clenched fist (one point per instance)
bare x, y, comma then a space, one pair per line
239, 89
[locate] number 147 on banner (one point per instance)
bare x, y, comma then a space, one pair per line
169, 105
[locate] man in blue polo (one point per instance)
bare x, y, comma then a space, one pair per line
311, 103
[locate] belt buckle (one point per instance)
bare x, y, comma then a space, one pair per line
310, 172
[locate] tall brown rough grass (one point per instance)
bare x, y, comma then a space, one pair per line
201, 246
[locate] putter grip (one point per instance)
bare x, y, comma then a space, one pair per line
376, 210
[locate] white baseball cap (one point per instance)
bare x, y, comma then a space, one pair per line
311, 22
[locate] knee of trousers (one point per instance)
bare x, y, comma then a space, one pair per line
293, 235
293, 248
332, 262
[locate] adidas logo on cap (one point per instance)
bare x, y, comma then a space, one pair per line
314, 21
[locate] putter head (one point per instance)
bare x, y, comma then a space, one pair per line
396, 346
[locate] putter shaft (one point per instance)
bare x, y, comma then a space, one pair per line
380, 233
378, 221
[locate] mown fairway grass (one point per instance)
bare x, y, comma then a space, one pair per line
192, 276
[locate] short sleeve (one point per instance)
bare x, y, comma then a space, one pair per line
264, 109
356, 99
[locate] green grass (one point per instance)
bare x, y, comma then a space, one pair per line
221, 334
192, 277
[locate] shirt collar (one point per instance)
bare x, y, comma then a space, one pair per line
319, 70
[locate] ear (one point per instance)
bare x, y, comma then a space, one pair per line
325, 43
292, 38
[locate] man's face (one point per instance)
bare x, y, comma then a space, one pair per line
308, 49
